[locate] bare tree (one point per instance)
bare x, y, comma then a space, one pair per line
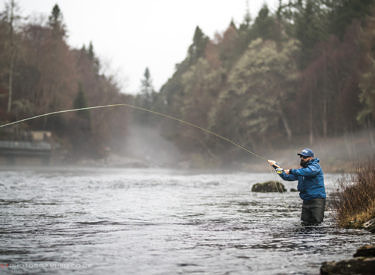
11, 17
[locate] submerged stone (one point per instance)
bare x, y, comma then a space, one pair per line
268, 186
365, 251
360, 265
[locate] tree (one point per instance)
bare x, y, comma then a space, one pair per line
202, 84
91, 55
171, 92
254, 102
80, 102
344, 12
212, 54
40, 71
147, 92
310, 28
11, 18
228, 45
244, 32
367, 77
147, 96
146, 83
196, 50
264, 25
55, 21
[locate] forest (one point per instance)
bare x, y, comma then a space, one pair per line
303, 73
40, 73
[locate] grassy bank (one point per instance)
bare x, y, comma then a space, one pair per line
355, 200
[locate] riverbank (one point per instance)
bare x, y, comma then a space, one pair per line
355, 200
354, 205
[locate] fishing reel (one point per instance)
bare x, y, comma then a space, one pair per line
276, 166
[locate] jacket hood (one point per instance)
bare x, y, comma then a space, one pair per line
315, 160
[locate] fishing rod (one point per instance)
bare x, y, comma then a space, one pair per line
140, 109
276, 166
273, 164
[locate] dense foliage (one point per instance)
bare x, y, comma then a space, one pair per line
301, 73
40, 73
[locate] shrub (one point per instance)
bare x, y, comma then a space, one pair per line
355, 200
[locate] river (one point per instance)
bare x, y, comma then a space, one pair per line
151, 221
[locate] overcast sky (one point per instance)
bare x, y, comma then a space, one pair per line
130, 35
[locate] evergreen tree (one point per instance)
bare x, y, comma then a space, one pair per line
264, 25
171, 93
80, 102
56, 23
92, 57
196, 49
244, 32
343, 12
147, 88
80, 126
90, 51
310, 28
147, 96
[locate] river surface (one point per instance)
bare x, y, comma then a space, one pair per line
145, 221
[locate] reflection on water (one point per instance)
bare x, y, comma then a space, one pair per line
94, 221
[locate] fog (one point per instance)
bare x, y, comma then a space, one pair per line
145, 147
336, 154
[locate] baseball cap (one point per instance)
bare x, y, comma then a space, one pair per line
306, 153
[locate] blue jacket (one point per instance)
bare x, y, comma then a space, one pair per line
310, 180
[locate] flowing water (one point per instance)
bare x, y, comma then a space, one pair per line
126, 221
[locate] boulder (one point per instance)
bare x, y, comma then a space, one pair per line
359, 265
293, 190
365, 251
268, 186
370, 225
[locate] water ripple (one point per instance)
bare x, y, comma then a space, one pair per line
95, 221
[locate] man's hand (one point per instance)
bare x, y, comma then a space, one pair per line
273, 164
287, 171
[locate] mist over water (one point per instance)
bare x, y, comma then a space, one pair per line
152, 221
146, 144
340, 154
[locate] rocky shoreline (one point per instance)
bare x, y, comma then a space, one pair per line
363, 262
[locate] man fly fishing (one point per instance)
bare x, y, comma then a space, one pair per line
310, 186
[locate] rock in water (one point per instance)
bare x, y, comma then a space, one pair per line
268, 186
363, 263
360, 265
366, 251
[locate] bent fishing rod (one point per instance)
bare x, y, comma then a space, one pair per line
271, 162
